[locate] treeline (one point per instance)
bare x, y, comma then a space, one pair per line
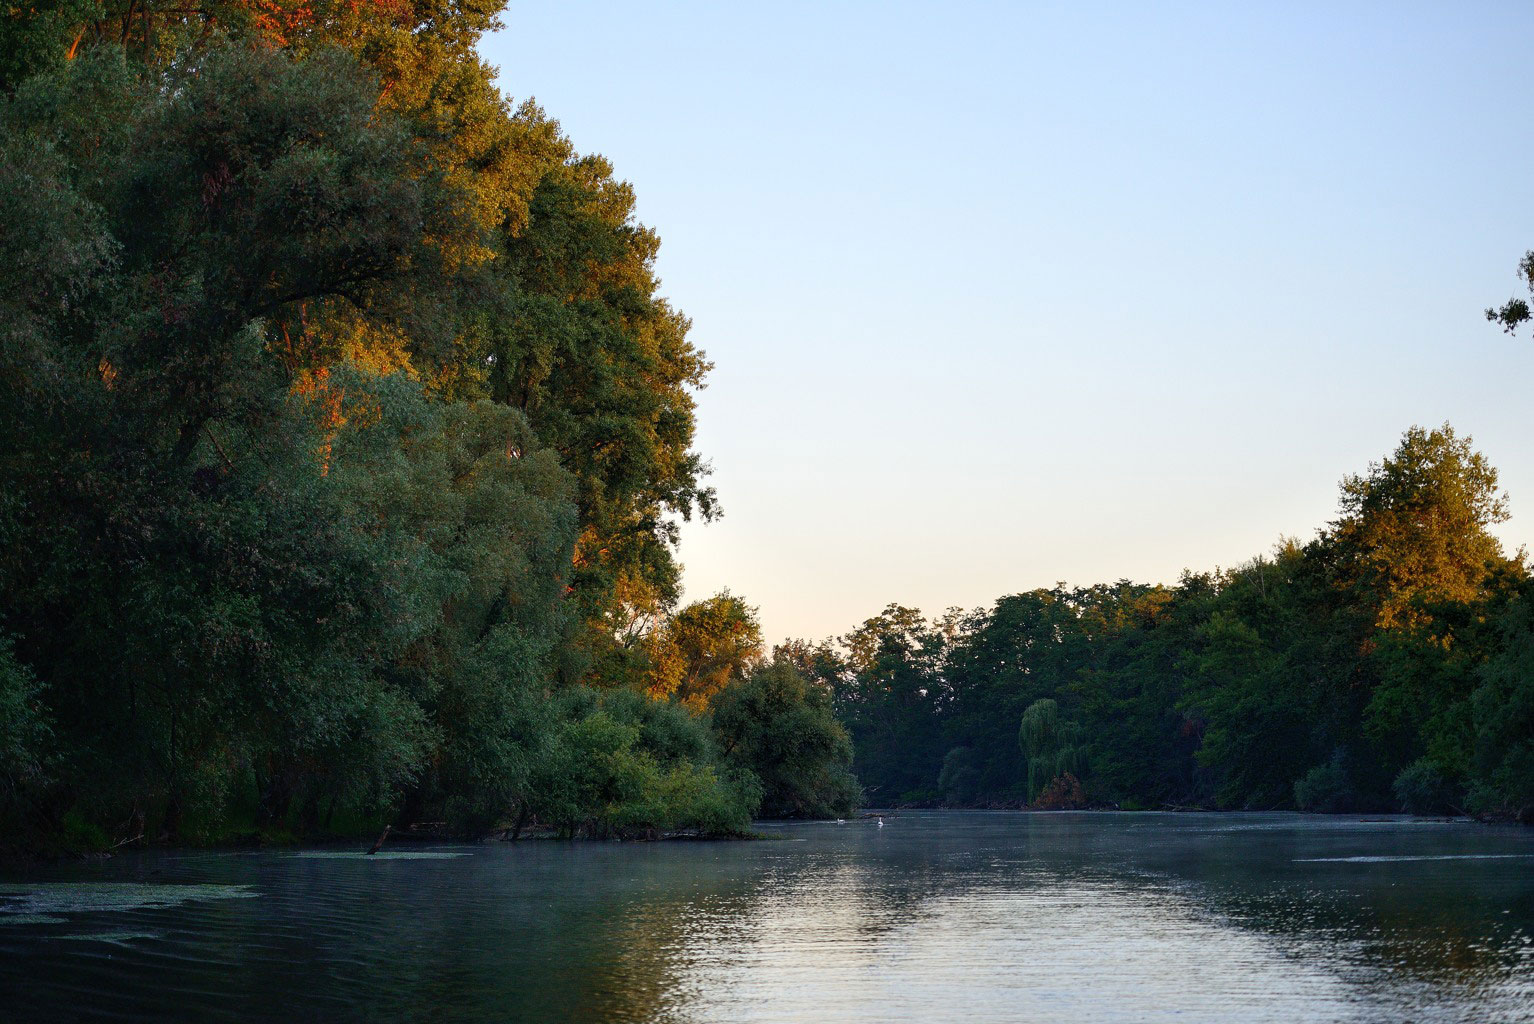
343, 437
1387, 664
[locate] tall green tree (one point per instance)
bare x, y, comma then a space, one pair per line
280, 549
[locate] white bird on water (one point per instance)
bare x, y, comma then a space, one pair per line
881, 821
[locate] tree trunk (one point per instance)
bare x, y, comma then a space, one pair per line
516, 830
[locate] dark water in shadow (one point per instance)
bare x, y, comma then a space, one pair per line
939, 916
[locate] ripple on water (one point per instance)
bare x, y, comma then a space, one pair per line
1391, 859
392, 855
43, 902
948, 916
120, 938
1042, 948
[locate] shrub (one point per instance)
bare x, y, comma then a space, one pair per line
959, 775
1063, 793
1422, 789
1326, 788
779, 726
24, 733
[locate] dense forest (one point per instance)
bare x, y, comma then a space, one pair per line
344, 438
343, 442
1387, 664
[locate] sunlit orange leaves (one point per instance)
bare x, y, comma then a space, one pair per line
334, 407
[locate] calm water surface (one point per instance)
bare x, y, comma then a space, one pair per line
938, 916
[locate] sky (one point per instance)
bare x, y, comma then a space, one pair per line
1001, 295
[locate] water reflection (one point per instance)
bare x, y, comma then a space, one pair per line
941, 916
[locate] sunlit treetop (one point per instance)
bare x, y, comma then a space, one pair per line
1415, 527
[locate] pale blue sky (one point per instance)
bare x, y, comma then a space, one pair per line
1005, 294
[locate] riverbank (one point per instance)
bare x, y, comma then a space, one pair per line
17, 858
1486, 818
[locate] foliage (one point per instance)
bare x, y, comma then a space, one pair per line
1327, 787
1515, 311
346, 439
24, 731
1384, 663
620, 764
881, 681
1415, 528
1052, 746
778, 726
703, 648
1502, 714
1063, 793
345, 434
1422, 789
958, 778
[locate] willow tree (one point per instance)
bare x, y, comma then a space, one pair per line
1054, 746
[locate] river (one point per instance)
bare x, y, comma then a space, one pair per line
935, 916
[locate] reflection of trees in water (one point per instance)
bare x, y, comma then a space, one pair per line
1380, 929
598, 932
1468, 923
641, 945
1399, 937
720, 922
853, 940
662, 932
